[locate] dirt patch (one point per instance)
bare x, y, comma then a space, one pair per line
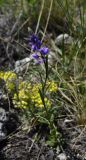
21, 146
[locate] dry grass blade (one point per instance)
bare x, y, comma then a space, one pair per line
39, 18
47, 19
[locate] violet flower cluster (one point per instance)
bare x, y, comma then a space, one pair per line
39, 51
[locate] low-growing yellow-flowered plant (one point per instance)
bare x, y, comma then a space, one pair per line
10, 79
29, 94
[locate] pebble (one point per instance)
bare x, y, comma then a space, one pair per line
3, 118
62, 156
21, 65
63, 38
50, 155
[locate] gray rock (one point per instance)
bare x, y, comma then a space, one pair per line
3, 118
2, 115
62, 156
58, 150
50, 155
63, 38
53, 58
23, 64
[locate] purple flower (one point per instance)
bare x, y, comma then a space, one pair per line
34, 38
34, 47
38, 59
34, 42
40, 51
39, 43
35, 56
44, 51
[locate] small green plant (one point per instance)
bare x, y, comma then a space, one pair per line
34, 99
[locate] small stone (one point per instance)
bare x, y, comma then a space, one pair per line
21, 65
57, 150
3, 118
50, 155
53, 58
63, 38
2, 115
62, 156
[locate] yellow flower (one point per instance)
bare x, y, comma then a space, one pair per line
22, 94
1, 75
36, 98
9, 78
29, 94
20, 102
47, 102
52, 86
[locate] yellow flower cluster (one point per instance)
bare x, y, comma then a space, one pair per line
36, 99
9, 77
22, 98
52, 86
30, 94
20, 102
